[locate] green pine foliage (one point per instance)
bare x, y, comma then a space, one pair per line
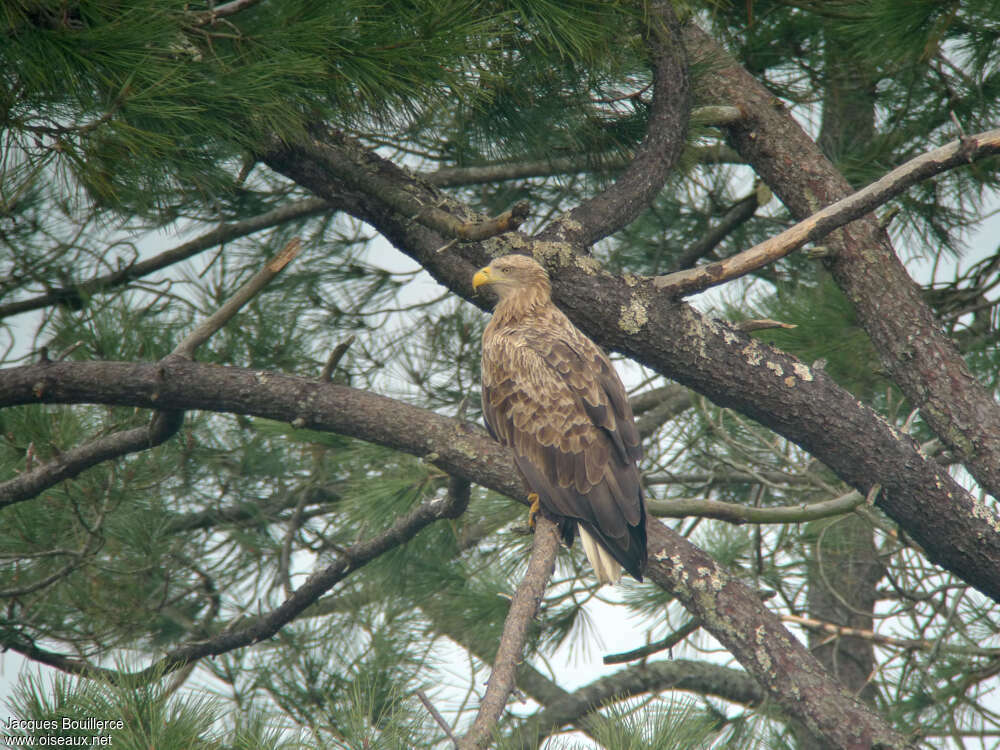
138, 718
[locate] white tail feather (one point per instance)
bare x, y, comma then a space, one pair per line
606, 568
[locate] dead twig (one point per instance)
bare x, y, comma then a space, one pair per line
436, 715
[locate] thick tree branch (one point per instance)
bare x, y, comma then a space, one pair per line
918, 356
729, 610
638, 184
523, 608
339, 154
821, 223
766, 650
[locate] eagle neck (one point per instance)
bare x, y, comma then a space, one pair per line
521, 305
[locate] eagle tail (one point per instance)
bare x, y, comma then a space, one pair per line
606, 567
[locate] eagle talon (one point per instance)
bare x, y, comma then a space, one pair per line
533, 510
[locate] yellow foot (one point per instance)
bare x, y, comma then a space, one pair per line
533, 510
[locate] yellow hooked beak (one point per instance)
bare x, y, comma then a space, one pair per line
482, 277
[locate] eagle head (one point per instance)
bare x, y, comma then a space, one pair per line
512, 274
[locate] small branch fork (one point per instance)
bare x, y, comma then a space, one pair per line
821, 223
644, 652
523, 608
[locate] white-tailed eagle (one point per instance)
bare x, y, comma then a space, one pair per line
551, 395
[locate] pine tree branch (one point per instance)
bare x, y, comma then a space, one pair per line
478, 174
664, 644
240, 514
674, 401
661, 147
738, 214
264, 626
712, 478
907, 644
234, 304
730, 611
76, 294
73, 462
563, 708
438, 718
818, 225
918, 356
163, 425
701, 678
523, 608
347, 158
739, 514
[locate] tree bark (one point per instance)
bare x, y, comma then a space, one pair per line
731, 611
629, 314
917, 355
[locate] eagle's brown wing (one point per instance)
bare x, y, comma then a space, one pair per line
552, 395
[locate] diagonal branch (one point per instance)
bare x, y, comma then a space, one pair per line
523, 608
664, 644
739, 213
764, 646
73, 462
264, 626
426, 205
818, 225
223, 233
